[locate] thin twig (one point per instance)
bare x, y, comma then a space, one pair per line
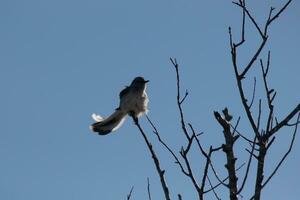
130, 193
243, 3
285, 121
205, 172
179, 102
259, 114
177, 161
253, 93
251, 18
236, 125
285, 155
223, 181
148, 189
277, 14
248, 167
211, 186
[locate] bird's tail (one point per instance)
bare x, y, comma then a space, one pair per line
104, 126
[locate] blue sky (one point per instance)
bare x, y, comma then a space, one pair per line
62, 60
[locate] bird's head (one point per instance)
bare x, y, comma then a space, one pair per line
139, 80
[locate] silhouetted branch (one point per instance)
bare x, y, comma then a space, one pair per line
223, 181
177, 161
241, 135
208, 161
248, 166
191, 174
205, 173
211, 186
253, 93
130, 192
285, 155
160, 172
265, 139
243, 6
241, 2
179, 101
230, 139
148, 189
259, 115
285, 121
240, 87
271, 19
179, 197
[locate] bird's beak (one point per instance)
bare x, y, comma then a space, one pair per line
146, 81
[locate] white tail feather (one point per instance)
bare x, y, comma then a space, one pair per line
97, 118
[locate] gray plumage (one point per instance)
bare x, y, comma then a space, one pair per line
133, 101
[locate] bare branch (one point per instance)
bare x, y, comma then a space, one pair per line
248, 166
251, 18
285, 121
211, 186
277, 14
243, 3
179, 197
148, 189
286, 154
269, 17
205, 173
268, 92
259, 114
235, 127
160, 172
223, 181
130, 192
253, 93
183, 126
228, 149
177, 161
260, 167
185, 95
253, 59
240, 88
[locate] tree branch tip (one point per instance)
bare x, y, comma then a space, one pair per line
199, 134
235, 138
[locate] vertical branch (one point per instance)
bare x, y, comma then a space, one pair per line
228, 149
243, 3
179, 101
240, 86
248, 166
268, 93
260, 169
148, 189
264, 138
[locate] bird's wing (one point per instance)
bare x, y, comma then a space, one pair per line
124, 92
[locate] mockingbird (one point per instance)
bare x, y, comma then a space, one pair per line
133, 102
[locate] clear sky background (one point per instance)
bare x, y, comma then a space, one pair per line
62, 60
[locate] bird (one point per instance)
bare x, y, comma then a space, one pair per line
133, 102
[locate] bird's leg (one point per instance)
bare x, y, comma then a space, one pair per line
134, 117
